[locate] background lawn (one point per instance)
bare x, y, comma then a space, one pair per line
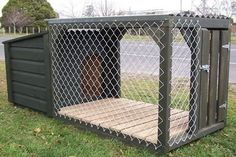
27, 133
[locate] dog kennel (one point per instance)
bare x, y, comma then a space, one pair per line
158, 80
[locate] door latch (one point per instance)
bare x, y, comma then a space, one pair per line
205, 68
226, 46
223, 106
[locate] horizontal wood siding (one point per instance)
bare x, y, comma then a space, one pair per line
30, 43
28, 66
28, 78
28, 72
30, 54
29, 90
30, 102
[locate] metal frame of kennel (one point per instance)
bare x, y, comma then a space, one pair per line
87, 49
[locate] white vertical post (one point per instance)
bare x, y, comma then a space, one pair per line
14, 29
26, 30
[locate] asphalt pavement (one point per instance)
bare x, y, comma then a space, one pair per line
142, 57
3, 38
1, 51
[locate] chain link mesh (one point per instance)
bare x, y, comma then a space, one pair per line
184, 83
106, 75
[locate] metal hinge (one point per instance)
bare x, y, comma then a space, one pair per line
226, 46
223, 106
205, 68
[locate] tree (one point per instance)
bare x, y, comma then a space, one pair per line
106, 9
226, 7
217, 7
89, 11
38, 10
17, 18
69, 10
121, 12
102, 8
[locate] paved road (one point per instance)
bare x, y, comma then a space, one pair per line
143, 58
1, 51
2, 47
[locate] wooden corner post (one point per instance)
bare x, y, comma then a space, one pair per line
165, 88
47, 51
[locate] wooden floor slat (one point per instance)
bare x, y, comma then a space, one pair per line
140, 127
129, 122
180, 131
133, 118
154, 130
132, 112
97, 119
98, 106
104, 110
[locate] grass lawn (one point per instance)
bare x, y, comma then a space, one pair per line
26, 133
233, 39
12, 35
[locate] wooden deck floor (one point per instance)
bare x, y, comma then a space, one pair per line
137, 119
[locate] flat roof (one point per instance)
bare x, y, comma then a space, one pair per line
204, 21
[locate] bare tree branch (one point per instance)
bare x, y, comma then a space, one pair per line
89, 11
17, 18
70, 10
104, 8
216, 7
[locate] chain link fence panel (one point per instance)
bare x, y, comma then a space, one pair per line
106, 75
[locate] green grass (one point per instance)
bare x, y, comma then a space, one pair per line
137, 37
12, 35
25, 133
145, 89
139, 88
233, 39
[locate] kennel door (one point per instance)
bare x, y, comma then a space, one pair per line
214, 71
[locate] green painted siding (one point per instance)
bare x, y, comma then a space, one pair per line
27, 72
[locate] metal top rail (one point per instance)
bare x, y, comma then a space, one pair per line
211, 22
